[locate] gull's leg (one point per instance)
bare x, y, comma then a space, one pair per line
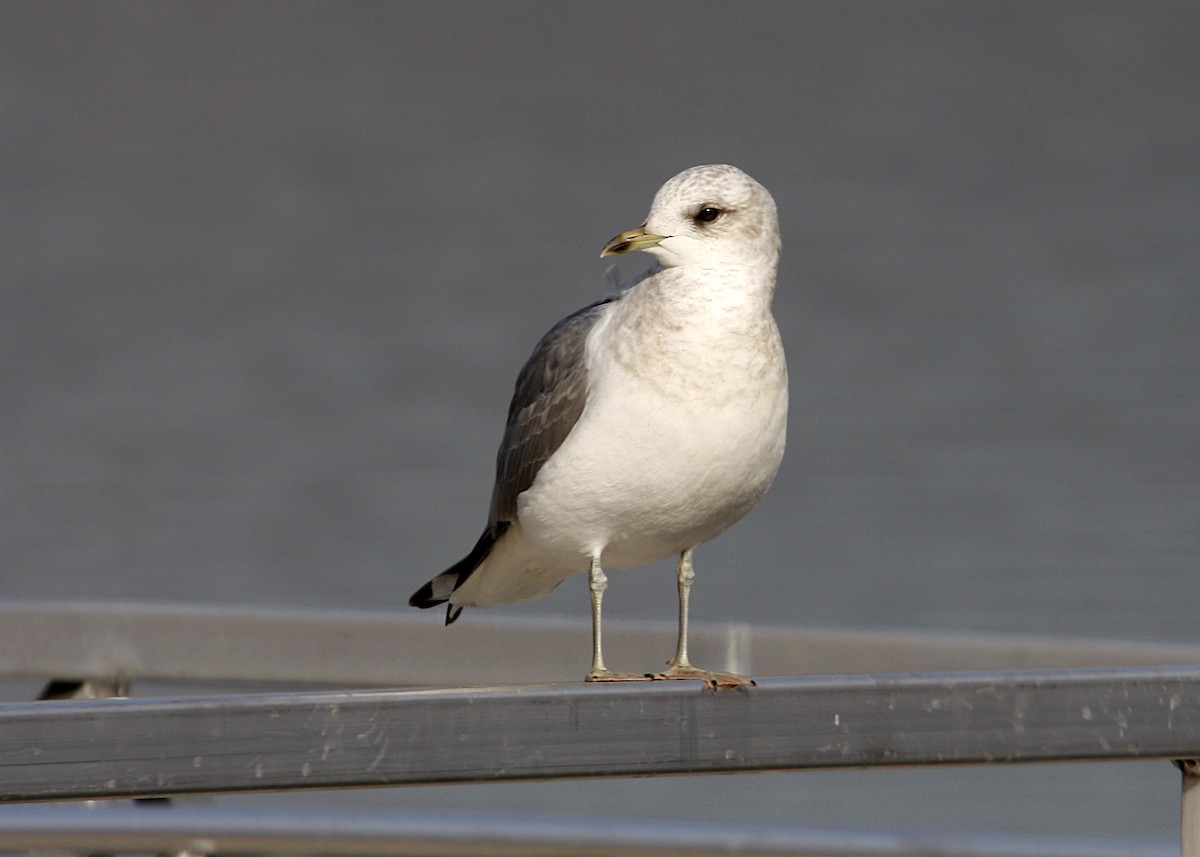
686, 575
597, 583
679, 666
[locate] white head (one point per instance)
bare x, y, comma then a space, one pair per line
708, 215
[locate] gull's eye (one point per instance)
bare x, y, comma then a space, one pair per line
708, 214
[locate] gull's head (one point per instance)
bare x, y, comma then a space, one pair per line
709, 215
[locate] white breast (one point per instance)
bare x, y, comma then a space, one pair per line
684, 426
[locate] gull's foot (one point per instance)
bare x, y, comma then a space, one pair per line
609, 675
713, 679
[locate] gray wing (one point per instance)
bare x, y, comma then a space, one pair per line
549, 397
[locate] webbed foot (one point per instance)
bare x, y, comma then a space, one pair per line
713, 679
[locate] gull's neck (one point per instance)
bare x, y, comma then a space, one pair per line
728, 289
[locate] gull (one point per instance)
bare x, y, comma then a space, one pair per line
646, 423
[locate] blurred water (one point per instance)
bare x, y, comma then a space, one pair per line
269, 272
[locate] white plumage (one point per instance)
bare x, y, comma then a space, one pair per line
645, 424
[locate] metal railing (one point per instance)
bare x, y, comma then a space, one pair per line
976, 699
220, 830
105, 640
335, 739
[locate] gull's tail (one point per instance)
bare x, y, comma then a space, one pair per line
439, 590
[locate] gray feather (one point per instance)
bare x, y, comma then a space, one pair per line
550, 394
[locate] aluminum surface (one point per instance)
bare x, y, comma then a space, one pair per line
111, 748
135, 641
228, 832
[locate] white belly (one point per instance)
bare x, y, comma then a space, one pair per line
682, 433
655, 467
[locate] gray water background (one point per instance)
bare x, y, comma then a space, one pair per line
267, 273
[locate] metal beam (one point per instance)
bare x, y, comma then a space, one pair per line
136, 641
115, 748
229, 832
1190, 807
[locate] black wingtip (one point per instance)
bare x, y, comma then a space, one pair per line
423, 597
439, 590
